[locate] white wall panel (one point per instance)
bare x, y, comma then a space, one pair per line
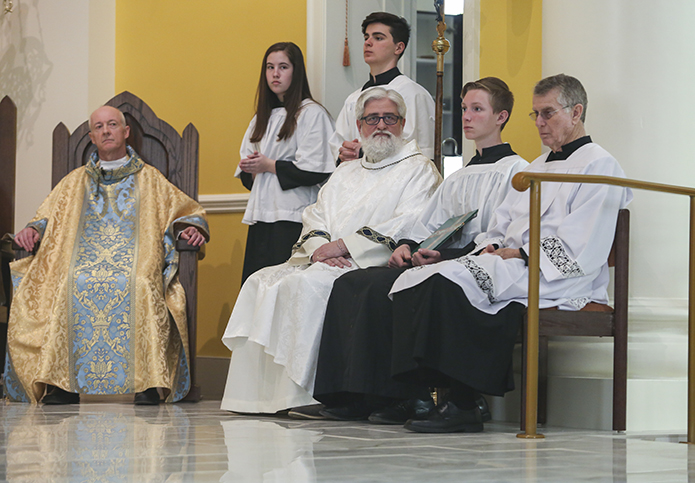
57, 64
636, 60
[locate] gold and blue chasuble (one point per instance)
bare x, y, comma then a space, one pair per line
99, 309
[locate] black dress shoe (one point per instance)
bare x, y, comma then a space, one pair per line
358, 411
149, 397
447, 418
402, 411
484, 408
59, 396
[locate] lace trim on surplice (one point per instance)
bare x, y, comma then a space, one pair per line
481, 277
555, 251
579, 302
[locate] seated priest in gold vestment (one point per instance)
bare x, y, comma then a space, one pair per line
99, 308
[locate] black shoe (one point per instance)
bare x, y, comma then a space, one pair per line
484, 408
402, 411
447, 418
358, 411
312, 411
149, 397
59, 396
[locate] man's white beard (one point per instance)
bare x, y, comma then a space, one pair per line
377, 148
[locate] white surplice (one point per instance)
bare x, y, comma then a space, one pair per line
577, 229
478, 186
275, 327
307, 149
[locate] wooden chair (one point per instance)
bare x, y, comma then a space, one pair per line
595, 320
8, 160
175, 156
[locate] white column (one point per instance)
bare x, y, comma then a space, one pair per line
636, 60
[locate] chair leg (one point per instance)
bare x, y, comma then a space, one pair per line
522, 425
622, 276
542, 380
620, 380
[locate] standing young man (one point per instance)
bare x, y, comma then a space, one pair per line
386, 37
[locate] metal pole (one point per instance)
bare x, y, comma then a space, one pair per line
691, 328
440, 46
532, 313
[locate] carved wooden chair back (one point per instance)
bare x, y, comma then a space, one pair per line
8, 162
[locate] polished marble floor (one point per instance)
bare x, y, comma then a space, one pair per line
104, 442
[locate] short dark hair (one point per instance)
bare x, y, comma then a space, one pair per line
501, 98
398, 26
571, 91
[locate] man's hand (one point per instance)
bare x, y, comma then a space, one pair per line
400, 257
27, 238
426, 257
334, 254
257, 163
350, 150
193, 236
505, 253
340, 262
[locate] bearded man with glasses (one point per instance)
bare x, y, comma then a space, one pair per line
275, 326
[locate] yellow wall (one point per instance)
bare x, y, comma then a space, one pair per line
510, 48
200, 62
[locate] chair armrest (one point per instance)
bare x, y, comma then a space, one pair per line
20, 252
183, 246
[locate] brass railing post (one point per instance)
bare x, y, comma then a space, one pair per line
525, 180
691, 327
532, 313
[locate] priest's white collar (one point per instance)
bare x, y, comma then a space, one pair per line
115, 164
408, 151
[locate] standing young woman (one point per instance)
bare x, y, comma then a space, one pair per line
285, 157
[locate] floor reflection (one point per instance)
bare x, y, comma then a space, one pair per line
266, 451
198, 442
95, 445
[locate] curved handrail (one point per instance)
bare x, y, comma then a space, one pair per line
522, 181
530, 180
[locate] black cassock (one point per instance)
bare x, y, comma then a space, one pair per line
426, 336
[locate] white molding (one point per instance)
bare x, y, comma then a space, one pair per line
471, 56
657, 309
224, 203
316, 47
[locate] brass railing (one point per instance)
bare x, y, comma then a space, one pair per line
525, 180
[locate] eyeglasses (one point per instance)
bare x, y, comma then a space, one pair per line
389, 119
545, 113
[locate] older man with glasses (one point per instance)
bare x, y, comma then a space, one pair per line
459, 319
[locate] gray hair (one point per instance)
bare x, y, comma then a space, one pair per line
570, 91
121, 117
376, 93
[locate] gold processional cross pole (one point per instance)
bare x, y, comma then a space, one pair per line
440, 46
